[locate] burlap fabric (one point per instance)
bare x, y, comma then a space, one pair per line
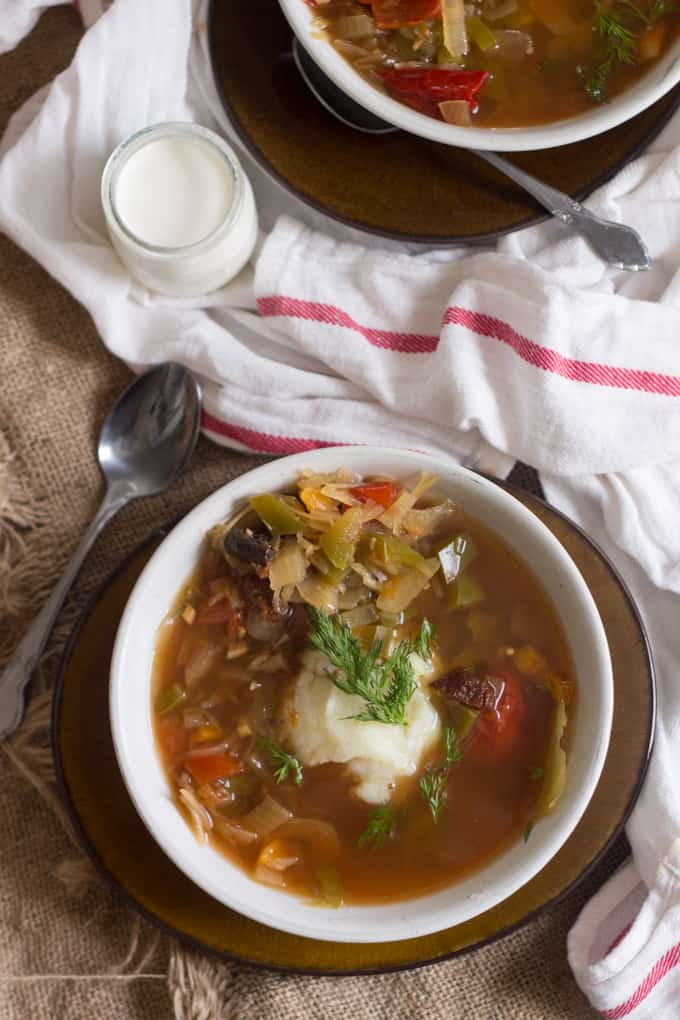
69, 946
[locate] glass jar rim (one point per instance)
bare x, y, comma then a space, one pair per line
138, 140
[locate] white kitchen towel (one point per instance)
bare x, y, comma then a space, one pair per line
533, 351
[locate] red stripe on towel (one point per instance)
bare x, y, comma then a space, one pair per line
314, 311
619, 938
662, 967
552, 361
261, 442
544, 358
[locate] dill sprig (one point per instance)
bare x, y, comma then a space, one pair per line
452, 748
433, 781
386, 687
619, 43
618, 28
423, 640
382, 824
286, 764
432, 785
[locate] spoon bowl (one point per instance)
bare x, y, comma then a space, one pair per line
150, 433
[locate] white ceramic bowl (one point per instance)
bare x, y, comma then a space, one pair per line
660, 79
130, 706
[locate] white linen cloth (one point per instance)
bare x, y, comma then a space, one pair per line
533, 351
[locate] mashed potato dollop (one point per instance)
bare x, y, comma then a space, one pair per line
317, 730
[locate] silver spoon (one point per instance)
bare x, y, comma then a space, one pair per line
144, 445
615, 243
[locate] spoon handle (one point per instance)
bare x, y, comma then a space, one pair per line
617, 244
25, 658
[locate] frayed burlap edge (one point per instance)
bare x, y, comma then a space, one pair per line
26, 579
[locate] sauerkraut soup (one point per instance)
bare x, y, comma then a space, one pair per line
500, 63
361, 694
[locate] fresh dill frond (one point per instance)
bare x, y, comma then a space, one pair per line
423, 640
432, 785
452, 748
618, 28
386, 687
286, 764
619, 43
382, 824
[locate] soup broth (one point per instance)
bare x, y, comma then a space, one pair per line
248, 732
511, 63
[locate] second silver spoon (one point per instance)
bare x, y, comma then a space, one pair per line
615, 243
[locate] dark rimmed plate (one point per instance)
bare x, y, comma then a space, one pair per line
397, 186
118, 842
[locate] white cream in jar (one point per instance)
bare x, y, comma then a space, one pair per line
179, 209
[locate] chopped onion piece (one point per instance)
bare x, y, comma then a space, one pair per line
200, 817
453, 23
319, 837
316, 480
456, 111
289, 566
405, 501
270, 877
512, 46
319, 593
236, 834
351, 597
361, 616
421, 523
266, 817
355, 26
279, 855
199, 664
205, 750
372, 579
400, 591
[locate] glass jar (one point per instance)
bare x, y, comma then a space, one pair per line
179, 209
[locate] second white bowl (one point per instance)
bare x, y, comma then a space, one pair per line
660, 80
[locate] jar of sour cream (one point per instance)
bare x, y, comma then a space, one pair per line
179, 209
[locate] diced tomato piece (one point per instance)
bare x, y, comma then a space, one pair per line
172, 735
498, 732
400, 13
219, 612
211, 767
383, 493
425, 89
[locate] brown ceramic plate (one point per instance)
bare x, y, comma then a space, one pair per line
118, 842
397, 186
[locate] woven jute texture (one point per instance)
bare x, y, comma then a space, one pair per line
69, 946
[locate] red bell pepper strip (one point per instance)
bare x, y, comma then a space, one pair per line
425, 89
383, 493
212, 767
